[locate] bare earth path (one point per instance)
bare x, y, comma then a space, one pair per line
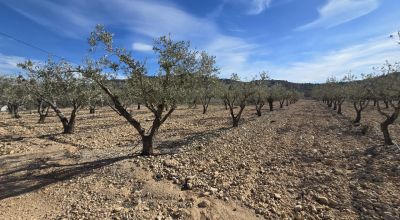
302, 162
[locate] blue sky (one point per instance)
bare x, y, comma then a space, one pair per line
295, 40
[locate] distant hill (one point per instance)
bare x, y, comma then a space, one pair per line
305, 88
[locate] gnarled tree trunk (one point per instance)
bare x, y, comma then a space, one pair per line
43, 110
359, 106
205, 103
92, 109
281, 103
339, 109
68, 124
147, 141
271, 104
329, 103
236, 118
259, 106
13, 109
358, 117
390, 119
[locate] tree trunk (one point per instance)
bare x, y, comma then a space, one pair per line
358, 117
390, 119
339, 109
258, 112
287, 102
43, 110
14, 111
281, 104
386, 104
385, 131
226, 105
259, 106
334, 105
235, 118
68, 125
205, 103
147, 141
42, 119
138, 106
69, 128
9, 108
329, 104
92, 110
235, 122
271, 105
362, 105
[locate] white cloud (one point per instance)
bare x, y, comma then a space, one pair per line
149, 18
8, 64
258, 6
234, 54
66, 19
359, 58
76, 18
337, 12
252, 7
142, 47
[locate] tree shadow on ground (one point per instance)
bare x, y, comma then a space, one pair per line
53, 137
370, 181
15, 138
38, 174
363, 174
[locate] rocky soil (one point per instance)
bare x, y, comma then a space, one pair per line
300, 162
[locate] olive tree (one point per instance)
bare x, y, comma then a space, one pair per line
294, 96
389, 89
340, 97
42, 109
14, 95
165, 90
384, 70
235, 94
275, 93
95, 98
386, 89
335, 92
59, 85
260, 92
206, 79
359, 95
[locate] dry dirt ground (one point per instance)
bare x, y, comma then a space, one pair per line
300, 162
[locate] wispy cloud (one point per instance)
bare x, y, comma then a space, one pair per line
258, 6
148, 18
359, 58
337, 12
8, 64
142, 47
232, 54
252, 7
72, 22
153, 18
